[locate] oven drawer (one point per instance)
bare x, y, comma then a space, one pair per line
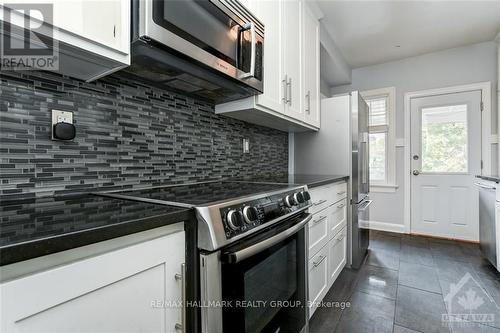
318, 231
337, 255
337, 218
318, 278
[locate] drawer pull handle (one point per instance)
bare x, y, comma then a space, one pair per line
320, 202
341, 206
321, 218
317, 263
341, 192
341, 238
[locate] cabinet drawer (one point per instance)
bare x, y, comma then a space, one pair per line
337, 218
318, 231
339, 191
320, 199
337, 255
318, 278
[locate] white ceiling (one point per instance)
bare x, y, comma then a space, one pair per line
367, 32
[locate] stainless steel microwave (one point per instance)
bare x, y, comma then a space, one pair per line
212, 49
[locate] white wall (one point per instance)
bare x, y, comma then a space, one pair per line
463, 65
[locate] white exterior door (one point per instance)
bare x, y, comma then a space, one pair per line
445, 158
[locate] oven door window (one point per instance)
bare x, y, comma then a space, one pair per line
266, 291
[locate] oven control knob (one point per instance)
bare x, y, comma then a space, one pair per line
234, 219
250, 214
290, 200
299, 197
306, 195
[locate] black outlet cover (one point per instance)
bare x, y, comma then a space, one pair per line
64, 131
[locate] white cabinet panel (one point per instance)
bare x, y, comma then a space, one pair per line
318, 278
339, 191
271, 13
337, 256
319, 198
311, 64
318, 231
292, 59
110, 292
93, 36
337, 218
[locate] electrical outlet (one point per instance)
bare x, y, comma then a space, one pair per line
246, 146
59, 116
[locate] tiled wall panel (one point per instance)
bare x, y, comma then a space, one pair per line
129, 135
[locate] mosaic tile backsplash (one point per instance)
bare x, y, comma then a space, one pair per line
129, 135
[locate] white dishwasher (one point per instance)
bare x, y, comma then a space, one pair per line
489, 215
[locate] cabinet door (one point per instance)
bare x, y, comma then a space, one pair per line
98, 21
318, 231
311, 76
271, 13
337, 218
126, 290
337, 255
318, 278
292, 57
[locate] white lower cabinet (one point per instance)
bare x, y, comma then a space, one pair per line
124, 290
327, 240
337, 255
318, 278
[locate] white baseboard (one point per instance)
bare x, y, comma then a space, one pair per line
383, 226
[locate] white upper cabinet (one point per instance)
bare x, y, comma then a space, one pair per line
282, 105
93, 36
271, 13
311, 74
292, 58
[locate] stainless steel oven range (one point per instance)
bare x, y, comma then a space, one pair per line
253, 253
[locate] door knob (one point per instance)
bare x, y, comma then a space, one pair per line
416, 172
415, 157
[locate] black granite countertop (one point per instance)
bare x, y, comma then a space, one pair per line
300, 179
30, 229
492, 178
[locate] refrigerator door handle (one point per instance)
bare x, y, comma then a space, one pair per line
364, 205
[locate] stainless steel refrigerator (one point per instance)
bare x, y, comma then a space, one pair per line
341, 147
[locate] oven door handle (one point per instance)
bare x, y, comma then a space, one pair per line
237, 256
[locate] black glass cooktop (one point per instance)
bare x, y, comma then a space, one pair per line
202, 194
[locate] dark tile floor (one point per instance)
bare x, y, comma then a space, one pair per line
408, 283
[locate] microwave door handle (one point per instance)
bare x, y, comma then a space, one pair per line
251, 26
237, 256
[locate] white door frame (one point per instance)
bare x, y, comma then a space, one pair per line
487, 138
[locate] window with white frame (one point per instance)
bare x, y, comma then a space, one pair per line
381, 103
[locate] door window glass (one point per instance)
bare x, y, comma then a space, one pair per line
444, 139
